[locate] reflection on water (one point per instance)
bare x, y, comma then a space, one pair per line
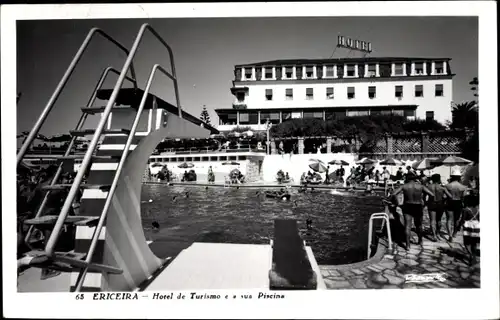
339, 219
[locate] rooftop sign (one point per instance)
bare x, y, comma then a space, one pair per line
344, 42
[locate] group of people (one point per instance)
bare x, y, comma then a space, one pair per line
310, 178
336, 176
282, 177
454, 199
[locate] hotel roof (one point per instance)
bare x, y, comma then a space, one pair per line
337, 61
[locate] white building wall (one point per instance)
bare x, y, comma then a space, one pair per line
385, 95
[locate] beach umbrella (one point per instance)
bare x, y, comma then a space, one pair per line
156, 164
230, 163
365, 161
390, 162
249, 133
425, 164
317, 166
339, 162
453, 161
186, 165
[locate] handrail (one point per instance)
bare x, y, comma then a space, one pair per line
55, 95
385, 218
79, 125
119, 168
49, 249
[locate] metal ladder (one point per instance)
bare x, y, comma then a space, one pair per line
61, 219
385, 219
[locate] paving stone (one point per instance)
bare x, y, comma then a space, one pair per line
410, 285
430, 268
454, 274
388, 264
390, 286
411, 256
374, 268
346, 273
378, 278
358, 283
393, 273
394, 280
366, 270
373, 285
440, 284
451, 283
464, 269
388, 256
334, 273
464, 275
477, 284
440, 267
336, 278
337, 284
409, 262
414, 251
476, 277
357, 272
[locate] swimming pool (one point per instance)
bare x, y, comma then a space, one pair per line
339, 219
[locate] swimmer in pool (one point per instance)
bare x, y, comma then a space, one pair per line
187, 194
309, 223
155, 225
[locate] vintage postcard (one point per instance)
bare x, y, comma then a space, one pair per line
281, 160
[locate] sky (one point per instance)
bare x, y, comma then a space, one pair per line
206, 50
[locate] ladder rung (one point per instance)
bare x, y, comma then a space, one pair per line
80, 156
102, 187
70, 261
94, 110
51, 219
86, 132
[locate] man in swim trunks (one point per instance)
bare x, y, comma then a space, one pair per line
455, 202
413, 193
436, 206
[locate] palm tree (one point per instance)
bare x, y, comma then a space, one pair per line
464, 115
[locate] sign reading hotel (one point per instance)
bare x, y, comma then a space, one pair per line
344, 42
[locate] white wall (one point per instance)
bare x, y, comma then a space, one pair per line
385, 95
201, 169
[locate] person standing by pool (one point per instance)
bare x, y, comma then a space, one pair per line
211, 176
436, 206
413, 193
455, 203
327, 177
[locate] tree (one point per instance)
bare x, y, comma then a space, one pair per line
464, 115
475, 86
204, 116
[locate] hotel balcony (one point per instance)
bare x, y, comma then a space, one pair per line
239, 106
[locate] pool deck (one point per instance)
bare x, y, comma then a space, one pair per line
388, 268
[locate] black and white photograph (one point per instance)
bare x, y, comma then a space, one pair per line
321, 160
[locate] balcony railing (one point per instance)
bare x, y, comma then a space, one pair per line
239, 106
208, 150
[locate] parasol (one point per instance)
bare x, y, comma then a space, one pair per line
453, 161
365, 161
339, 162
317, 166
186, 165
425, 164
390, 162
230, 163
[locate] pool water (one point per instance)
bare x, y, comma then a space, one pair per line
339, 219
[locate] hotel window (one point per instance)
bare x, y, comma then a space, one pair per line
399, 91
204, 158
375, 112
350, 93
297, 115
240, 96
398, 112
429, 115
358, 113
329, 73
419, 68
248, 73
196, 159
419, 90
289, 94
285, 115
309, 94
439, 90
313, 115
351, 71
288, 72
399, 69
372, 70
309, 72
269, 73
439, 68
269, 94
249, 118
213, 158
372, 92
386, 112
273, 117
329, 93
409, 113
227, 119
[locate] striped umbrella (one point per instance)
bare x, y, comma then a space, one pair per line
317, 166
390, 162
425, 164
453, 161
186, 165
339, 162
230, 163
365, 161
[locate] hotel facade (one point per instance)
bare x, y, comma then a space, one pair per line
276, 91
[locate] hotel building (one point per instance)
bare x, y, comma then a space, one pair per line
280, 90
